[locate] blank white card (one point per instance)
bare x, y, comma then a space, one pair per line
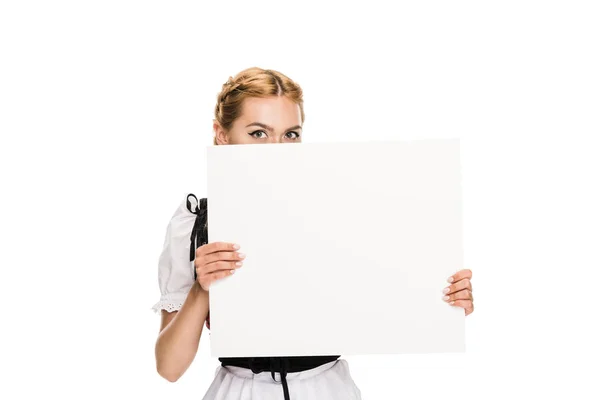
348, 247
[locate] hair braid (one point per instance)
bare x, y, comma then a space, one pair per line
253, 82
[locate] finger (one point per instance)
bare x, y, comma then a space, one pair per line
464, 294
462, 274
222, 256
460, 285
466, 304
218, 266
211, 278
216, 246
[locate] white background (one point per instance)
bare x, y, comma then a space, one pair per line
105, 112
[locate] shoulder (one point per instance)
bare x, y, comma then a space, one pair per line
194, 204
188, 206
188, 227
188, 210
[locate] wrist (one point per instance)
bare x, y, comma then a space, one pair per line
198, 291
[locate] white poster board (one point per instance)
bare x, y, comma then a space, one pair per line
348, 247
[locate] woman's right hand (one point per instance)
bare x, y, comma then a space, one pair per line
215, 261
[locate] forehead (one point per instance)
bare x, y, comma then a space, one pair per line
276, 111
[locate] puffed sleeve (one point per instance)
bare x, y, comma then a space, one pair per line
176, 273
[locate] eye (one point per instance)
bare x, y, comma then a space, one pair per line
254, 134
297, 135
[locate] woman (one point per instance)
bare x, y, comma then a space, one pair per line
257, 106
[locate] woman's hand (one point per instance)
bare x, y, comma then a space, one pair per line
459, 293
215, 261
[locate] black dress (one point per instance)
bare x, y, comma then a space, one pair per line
283, 365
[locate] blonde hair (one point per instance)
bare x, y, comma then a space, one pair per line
253, 82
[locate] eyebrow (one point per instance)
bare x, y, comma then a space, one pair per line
267, 127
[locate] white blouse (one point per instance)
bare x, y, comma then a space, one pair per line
175, 270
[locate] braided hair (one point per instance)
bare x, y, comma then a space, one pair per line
253, 82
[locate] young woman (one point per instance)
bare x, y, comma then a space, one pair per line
256, 106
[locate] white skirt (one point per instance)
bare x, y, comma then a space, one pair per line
331, 381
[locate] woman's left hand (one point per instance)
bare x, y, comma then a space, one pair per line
459, 293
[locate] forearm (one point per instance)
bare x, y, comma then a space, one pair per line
177, 343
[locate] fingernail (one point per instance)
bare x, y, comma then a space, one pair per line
446, 290
238, 264
446, 298
451, 303
236, 246
232, 271
241, 255
450, 279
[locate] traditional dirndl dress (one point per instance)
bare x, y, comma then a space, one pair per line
246, 378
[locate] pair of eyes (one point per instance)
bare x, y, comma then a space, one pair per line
294, 135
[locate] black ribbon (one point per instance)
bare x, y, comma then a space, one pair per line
199, 236
283, 364
280, 364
